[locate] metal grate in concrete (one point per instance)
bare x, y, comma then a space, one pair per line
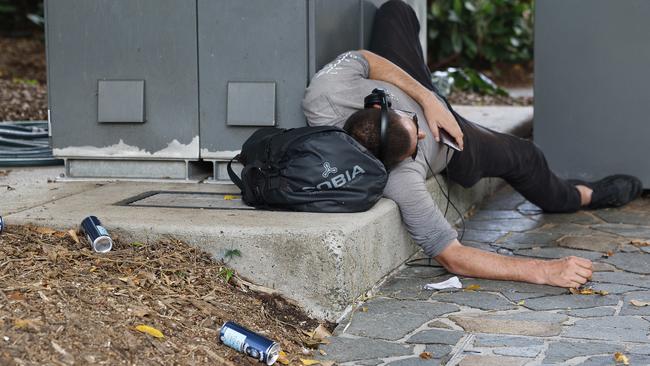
176, 199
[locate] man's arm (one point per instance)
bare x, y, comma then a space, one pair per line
467, 261
436, 114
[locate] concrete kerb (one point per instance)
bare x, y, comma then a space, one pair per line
323, 261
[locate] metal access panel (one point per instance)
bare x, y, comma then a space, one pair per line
122, 78
256, 62
591, 86
249, 41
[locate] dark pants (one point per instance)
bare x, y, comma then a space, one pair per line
487, 153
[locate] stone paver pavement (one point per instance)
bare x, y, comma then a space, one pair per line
510, 323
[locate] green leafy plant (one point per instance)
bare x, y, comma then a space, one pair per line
231, 253
17, 15
25, 81
479, 33
226, 273
465, 79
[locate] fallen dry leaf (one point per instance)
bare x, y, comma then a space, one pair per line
472, 288
640, 243
149, 330
316, 337
587, 291
426, 355
308, 362
73, 235
283, 359
44, 230
28, 324
321, 332
16, 296
621, 358
639, 303
311, 343
521, 303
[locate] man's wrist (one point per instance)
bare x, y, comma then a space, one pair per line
424, 97
540, 272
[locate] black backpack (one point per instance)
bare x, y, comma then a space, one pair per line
316, 169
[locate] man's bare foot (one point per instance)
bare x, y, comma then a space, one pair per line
585, 194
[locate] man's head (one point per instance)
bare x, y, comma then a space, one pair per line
403, 134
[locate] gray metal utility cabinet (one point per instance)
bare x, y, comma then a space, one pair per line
170, 89
592, 104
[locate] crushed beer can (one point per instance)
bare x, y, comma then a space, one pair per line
250, 343
96, 234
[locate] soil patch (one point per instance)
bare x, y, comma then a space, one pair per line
61, 303
23, 89
22, 100
466, 98
512, 75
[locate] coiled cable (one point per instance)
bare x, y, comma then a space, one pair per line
25, 144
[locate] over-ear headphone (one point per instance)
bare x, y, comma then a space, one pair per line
381, 98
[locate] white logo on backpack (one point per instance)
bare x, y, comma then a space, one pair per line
328, 169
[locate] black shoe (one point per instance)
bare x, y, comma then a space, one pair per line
613, 191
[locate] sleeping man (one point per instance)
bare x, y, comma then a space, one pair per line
413, 152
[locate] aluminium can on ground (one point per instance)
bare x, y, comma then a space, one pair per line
246, 341
96, 234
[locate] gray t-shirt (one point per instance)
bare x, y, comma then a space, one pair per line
336, 92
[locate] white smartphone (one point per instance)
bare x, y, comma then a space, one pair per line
446, 139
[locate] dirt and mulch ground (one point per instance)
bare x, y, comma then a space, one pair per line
23, 85
466, 98
506, 76
62, 304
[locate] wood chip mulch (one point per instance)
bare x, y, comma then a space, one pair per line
23, 89
61, 303
467, 98
22, 101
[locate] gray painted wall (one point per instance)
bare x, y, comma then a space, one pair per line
592, 104
151, 40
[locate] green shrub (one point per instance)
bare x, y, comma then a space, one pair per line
20, 15
479, 33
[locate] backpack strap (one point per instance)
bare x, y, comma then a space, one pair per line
233, 176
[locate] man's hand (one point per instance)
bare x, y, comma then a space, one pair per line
567, 272
438, 116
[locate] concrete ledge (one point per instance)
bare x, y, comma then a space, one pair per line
515, 120
324, 261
